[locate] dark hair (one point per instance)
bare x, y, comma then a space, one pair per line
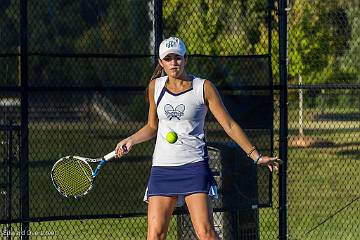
156, 74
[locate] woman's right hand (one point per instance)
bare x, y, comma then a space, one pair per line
123, 147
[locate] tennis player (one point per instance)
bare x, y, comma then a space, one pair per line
178, 102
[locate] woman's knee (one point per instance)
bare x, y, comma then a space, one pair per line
157, 227
205, 232
156, 233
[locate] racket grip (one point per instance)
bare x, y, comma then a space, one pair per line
96, 172
109, 156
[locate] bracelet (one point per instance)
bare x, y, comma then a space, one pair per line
251, 151
258, 159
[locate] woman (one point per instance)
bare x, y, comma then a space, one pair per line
178, 103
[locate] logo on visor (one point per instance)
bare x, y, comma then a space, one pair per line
170, 44
171, 113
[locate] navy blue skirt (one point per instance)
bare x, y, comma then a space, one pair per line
181, 181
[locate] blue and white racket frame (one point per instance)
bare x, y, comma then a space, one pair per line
86, 161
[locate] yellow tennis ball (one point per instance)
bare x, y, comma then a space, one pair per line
171, 137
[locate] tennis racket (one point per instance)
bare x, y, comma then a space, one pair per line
73, 176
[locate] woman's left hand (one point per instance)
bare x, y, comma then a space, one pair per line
271, 162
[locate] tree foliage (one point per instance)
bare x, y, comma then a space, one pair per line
349, 62
323, 39
217, 27
78, 27
319, 36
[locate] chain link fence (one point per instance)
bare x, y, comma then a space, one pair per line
87, 66
324, 120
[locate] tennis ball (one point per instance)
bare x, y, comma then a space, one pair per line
171, 137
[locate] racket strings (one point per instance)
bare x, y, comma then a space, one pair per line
84, 170
72, 177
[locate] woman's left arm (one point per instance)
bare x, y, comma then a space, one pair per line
233, 129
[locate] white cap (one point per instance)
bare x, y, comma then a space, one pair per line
171, 45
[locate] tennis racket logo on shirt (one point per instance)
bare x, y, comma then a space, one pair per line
171, 113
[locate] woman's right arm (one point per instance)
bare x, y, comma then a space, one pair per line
147, 132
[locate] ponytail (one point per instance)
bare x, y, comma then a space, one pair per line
156, 74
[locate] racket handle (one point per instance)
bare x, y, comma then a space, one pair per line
113, 154
109, 156
96, 172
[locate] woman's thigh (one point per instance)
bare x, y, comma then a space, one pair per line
160, 209
201, 215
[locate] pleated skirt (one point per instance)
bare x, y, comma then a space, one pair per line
180, 181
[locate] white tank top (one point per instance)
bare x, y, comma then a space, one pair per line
183, 113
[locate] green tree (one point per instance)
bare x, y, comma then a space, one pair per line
319, 34
217, 27
350, 62
9, 42
220, 28
106, 27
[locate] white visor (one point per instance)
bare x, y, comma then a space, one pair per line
171, 45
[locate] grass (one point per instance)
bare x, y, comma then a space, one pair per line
321, 185
96, 229
323, 192
132, 228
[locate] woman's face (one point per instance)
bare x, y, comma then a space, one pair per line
173, 65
